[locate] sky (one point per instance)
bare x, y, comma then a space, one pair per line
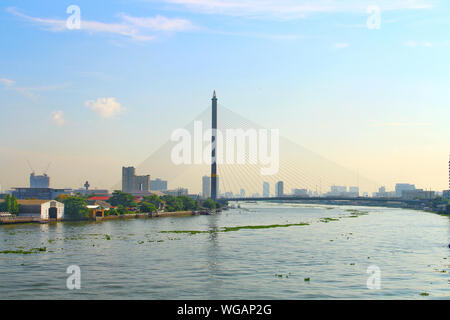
367, 91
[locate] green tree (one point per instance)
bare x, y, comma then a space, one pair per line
188, 203
121, 209
122, 198
146, 207
13, 206
62, 197
173, 203
75, 208
10, 205
111, 212
221, 203
153, 199
209, 204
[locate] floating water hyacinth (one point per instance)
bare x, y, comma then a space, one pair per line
230, 229
33, 250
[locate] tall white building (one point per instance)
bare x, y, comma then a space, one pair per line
354, 191
300, 192
206, 187
279, 189
266, 190
401, 187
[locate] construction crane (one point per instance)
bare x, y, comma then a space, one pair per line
29, 164
46, 169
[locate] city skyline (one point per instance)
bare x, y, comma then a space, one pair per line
374, 101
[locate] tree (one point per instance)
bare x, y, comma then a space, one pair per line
75, 208
188, 203
221, 203
111, 212
173, 203
10, 205
147, 207
62, 197
153, 199
209, 204
122, 198
121, 209
14, 206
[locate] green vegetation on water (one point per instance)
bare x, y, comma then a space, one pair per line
355, 212
227, 229
326, 220
33, 250
230, 229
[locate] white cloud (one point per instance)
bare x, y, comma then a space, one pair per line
292, 8
105, 107
129, 26
159, 23
7, 82
29, 92
58, 118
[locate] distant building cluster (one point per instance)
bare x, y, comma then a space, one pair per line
142, 185
158, 185
131, 183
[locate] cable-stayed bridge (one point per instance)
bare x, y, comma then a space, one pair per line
297, 167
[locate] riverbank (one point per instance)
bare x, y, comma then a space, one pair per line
421, 206
26, 220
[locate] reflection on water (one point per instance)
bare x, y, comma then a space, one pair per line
138, 261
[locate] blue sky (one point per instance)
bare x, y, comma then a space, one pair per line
91, 100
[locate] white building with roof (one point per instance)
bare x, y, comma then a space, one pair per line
43, 209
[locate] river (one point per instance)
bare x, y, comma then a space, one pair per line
303, 252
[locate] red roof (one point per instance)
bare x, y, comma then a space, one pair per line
100, 198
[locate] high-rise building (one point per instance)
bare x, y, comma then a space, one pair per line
266, 190
300, 192
242, 193
131, 183
206, 187
42, 181
177, 192
402, 187
354, 191
338, 190
158, 185
279, 189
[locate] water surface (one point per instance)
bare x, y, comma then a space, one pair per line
140, 261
